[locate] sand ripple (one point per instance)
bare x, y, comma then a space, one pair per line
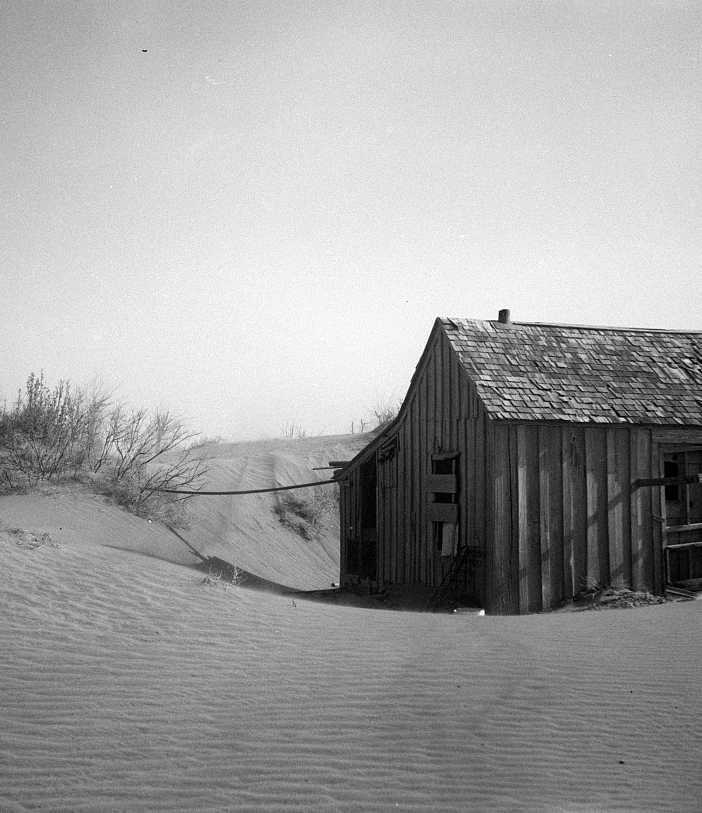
129, 684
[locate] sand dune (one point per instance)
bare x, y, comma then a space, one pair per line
245, 530
129, 682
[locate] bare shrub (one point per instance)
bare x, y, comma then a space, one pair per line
41, 434
385, 412
325, 501
292, 431
148, 454
132, 454
304, 514
205, 440
96, 440
294, 514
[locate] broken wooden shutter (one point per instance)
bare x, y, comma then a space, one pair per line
442, 488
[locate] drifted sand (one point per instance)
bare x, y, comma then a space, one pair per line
129, 683
247, 530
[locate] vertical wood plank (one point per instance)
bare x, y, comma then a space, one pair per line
349, 517
481, 498
359, 526
522, 535
550, 532
592, 467
533, 519
388, 525
343, 508
448, 429
513, 538
568, 514
381, 545
456, 414
443, 382
403, 488
557, 550
410, 572
431, 424
395, 490
657, 496
618, 515
397, 518
597, 522
411, 503
425, 432
489, 573
355, 513
437, 385
641, 515
418, 504
463, 443
574, 510
503, 597
528, 518
624, 460
466, 440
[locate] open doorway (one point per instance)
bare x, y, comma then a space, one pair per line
369, 520
682, 521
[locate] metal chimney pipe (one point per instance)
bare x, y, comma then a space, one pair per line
503, 316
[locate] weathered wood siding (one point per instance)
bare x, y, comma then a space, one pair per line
567, 514
354, 556
349, 521
441, 413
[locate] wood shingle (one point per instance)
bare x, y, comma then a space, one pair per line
537, 372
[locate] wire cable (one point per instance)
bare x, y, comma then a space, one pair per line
248, 491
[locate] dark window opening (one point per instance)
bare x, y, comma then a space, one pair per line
671, 468
352, 556
447, 466
444, 486
443, 494
683, 501
683, 516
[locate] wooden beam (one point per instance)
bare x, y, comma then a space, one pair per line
442, 512
668, 481
695, 526
684, 545
443, 483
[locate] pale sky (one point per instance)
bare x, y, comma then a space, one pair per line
251, 212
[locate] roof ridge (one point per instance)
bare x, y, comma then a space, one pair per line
614, 328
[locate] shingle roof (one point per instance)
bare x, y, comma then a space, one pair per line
566, 373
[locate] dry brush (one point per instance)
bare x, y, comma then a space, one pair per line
51, 433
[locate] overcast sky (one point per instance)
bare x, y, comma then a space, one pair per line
252, 212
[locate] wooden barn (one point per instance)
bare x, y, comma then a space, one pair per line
530, 462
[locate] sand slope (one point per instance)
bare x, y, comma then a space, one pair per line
129, 683
246, 530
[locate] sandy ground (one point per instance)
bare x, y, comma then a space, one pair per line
130, 682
